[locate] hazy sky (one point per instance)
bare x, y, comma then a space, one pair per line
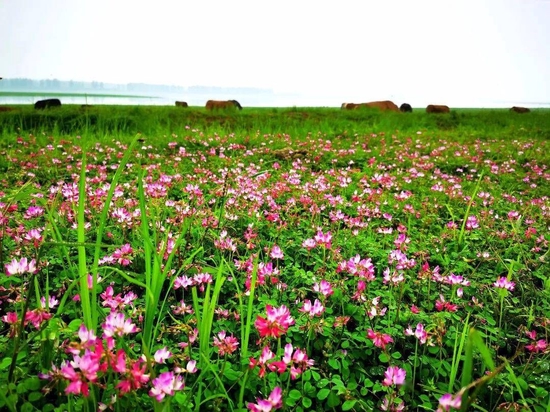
439, 51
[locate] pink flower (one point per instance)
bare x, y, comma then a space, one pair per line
323, 239
472, 223
226, 344
10, 318
324, 288
20, 267
504, 283
316, 309
379, 339
448, 401
166, 384
191, 367
309, 244
420, 333
298, 362
276, 253
442, 305
162, 355
266, 355
539, 346
117, 324
394, 376
277, 322
274, 401
386, 406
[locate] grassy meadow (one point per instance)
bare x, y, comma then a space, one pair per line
301, 259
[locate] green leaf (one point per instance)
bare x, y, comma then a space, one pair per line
334, 363
323, 394
27, 407
383, 357
333, 400
306, 402
232, 374
483, 350
295, 394
322, 383
349, 404
32, 384
35, 396
467, 365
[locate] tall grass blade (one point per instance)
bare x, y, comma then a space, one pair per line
457, 352
89, 319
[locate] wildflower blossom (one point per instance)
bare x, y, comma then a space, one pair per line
323, 287
162, 355
276, 253
472, 223
323, 239
276, 323
117, 324
265, 356
316, 309
20, 267
166, 384
503, 283
274, 401
442, 305
298, 360
420, 333
379, 339
448, 401
309, 244
386, 406
226, 344
394, 376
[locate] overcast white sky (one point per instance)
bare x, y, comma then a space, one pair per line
420, 51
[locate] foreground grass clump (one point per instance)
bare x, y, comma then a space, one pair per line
263, 271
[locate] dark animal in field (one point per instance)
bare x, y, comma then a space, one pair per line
406, 108
182, 104
518, 109
434, 108
222, 104
383, 105
44, 104
349, 106
6, 109
288, 153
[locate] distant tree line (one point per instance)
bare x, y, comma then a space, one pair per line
54, 85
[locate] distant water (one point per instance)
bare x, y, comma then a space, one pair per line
254, 100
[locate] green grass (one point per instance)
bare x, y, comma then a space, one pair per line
159, 121
360, 175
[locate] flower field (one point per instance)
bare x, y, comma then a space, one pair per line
219, 271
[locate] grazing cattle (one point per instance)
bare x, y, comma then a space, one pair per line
43, 104
381, 105
518, 109
434, 108
406, 108
349, 106
181, 104
5, 108
222, 104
